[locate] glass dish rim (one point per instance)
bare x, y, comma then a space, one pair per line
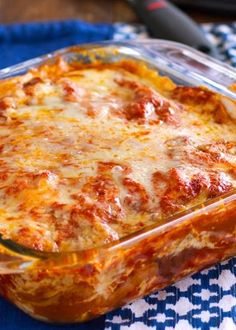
150, 230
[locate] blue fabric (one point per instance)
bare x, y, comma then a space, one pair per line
19, 42
11, 318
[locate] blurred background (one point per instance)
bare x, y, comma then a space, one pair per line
15, 11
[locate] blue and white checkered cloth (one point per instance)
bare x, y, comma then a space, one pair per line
204, 301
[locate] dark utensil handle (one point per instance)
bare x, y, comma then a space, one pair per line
166, 21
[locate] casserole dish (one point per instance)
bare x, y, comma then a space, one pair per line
74, 285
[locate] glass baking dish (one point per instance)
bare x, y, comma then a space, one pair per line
80, 285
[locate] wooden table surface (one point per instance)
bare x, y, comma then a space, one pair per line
14, 11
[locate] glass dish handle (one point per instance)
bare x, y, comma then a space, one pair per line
13, 262
191, 65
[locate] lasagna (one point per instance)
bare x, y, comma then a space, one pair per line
90, 153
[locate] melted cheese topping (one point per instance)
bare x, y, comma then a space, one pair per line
89, 154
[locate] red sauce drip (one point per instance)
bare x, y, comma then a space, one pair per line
147, 105
175, 189
137, 197
203, 97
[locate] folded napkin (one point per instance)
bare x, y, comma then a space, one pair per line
19, 42
204, 301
